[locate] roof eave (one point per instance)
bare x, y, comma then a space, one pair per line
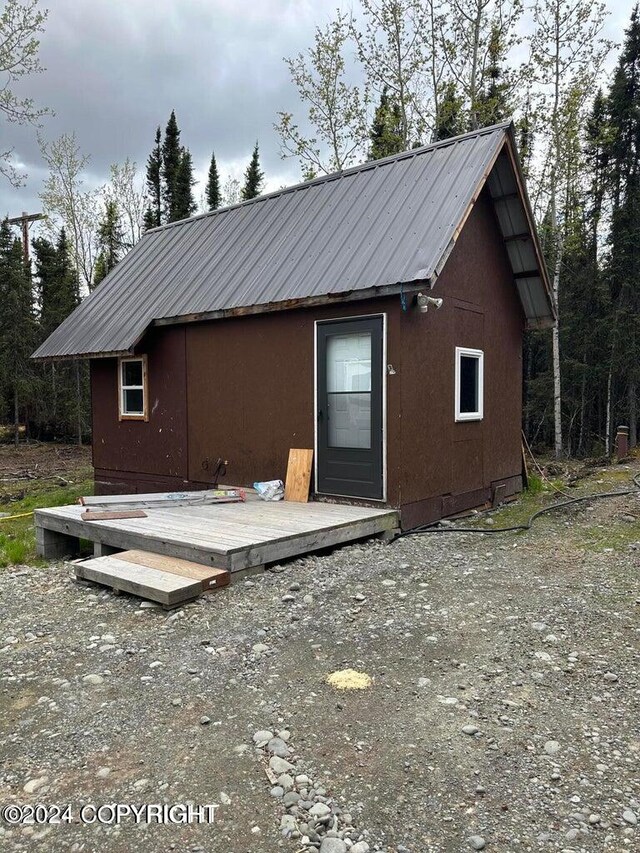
292, 304
543, 321
78, 356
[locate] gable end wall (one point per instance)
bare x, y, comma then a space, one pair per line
449, 466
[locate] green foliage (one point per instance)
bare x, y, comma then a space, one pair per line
171, 162
17, 330
184, 204
535, 484
61, 406
67, 202
17, 536
153, 213
110, 242
623, 268
386, 130
169, 179
450, 118
493, 103
212, 190
335, 109
57, 286
598, 218
253, 177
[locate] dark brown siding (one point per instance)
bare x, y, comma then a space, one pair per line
251, 390
460, 461
242, 390
134, 455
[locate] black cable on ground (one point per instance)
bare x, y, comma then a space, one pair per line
431, 528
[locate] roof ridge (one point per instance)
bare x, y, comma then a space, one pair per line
332, 176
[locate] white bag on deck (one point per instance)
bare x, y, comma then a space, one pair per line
271, 490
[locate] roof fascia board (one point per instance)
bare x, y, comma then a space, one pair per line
292, 304
81, 356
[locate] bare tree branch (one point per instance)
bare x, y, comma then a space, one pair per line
20, 24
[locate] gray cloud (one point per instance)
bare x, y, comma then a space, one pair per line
115, 69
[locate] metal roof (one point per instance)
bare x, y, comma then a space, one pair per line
355, 233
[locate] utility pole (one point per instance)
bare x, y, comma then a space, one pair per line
24, 221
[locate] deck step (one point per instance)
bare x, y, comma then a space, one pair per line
168, 580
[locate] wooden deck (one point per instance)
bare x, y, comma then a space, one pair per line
233, 536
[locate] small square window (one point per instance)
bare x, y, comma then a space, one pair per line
132, 381
469, 384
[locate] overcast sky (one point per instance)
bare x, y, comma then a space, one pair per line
116, 69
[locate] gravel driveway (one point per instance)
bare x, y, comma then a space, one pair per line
504, 711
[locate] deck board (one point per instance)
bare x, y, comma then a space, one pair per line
143, 581
233, 535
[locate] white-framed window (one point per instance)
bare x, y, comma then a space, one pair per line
469, 390
132, 388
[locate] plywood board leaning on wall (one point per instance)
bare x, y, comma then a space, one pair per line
298, 475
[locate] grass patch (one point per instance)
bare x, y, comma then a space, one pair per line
17, 536
536, 485
615, 536
538, 495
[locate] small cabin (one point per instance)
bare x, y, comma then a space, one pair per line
375, 315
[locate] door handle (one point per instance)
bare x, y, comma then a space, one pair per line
320, 414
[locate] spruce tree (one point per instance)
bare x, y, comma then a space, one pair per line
450, 120
59, 406
492, 105
623, 152
153, 213
110, 242
57, 281
525, 138
386, 130
184, 202
212, 190
253, 177
172, 154
17, 329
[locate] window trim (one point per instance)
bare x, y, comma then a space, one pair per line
478, 415
133, 416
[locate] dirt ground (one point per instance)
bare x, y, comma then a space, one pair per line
530, 641
36, 475
32, 466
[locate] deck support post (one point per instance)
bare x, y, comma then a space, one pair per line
54, 546
102, 550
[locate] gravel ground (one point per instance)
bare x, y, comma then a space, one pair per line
504, 711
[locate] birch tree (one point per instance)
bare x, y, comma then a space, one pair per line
567, 51
394, 48
68, 202
126, 190
20, 25
336, 108
231, 192
476, 40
